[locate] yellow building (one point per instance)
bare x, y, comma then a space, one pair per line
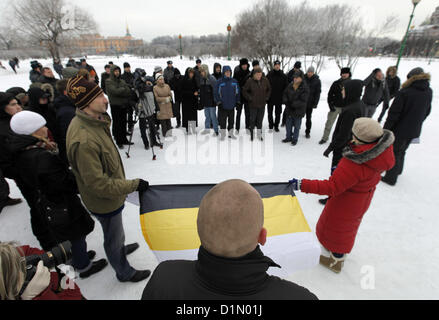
97, 44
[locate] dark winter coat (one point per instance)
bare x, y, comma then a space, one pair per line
256, 92
376, 91
394, 84
207, 87
218, 75
279, 82
7, 160
169, 73
92, 72
290, 75
34, 76
128, 77
58, 68
65, 112
44, 171
216, 278
118, 91
227, 92
176, 85
335, 97
410, 108
241, 76
189, 100
45, 110
104, 77
353, 110
315, 89
350, 188
296, 100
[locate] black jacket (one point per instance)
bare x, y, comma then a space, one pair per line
7, 160
315, 89
34, 76
296, 100
128, 77
44, 171
207, 86
215, 74
290, 75
278, 81
176, 84
46, 111
216, 278
241, 76
376, 91
353, 110
104, 77
335, 98
410, 108
394, 84
65, 112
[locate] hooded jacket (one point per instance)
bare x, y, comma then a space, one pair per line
376, 91
353, 110
97, 165
410, 108
218, 75
118, 90
296, 100
216, 278
350, 188
227, 91
278, 81
45, 110
315, 89
393, 83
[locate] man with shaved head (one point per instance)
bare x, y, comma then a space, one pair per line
230, 262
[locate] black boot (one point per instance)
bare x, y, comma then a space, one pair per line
139, 276
95, 268
131, 248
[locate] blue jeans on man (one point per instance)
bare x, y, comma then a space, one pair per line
211, 119
114, 244
296, 123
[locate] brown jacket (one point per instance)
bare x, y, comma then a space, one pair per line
257, 93
163, 96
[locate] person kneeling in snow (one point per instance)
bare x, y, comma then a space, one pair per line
351, 189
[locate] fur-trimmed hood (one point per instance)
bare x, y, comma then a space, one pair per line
377, 156
419, 77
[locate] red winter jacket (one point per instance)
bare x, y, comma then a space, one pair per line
350, 188
51, 292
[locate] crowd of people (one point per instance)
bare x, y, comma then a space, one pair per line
58, 142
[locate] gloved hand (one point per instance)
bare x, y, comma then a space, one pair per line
143, 185
327, 152
38, 284
296, 184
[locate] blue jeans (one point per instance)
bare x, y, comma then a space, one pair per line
296, 123
80, 260
114, 245
211, 118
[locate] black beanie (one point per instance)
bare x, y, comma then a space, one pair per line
126, 65
298, 65
255, 63
346, 70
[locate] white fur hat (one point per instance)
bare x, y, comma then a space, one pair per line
27, 122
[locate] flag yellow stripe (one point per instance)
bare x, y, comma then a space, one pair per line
176, 229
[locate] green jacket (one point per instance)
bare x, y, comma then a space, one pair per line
96, 164
118, 90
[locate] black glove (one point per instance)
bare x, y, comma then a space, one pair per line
143, 186
327, 152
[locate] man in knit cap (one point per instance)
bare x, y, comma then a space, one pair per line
99, 172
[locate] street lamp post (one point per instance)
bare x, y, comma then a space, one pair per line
229, 29
181, 47
401, 50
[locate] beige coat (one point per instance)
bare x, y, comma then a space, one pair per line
163, 97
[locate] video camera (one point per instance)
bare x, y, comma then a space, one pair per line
56, 256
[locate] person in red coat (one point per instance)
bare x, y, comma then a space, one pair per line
45, 285
351, 189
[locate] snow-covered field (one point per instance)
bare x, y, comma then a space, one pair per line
396, 255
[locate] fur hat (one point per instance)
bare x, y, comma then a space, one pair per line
346, 70
367, 130
255, 63
243, 61
27, 122
298, 65
82, 92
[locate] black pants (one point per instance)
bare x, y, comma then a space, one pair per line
148, 124
176, 110
4, 189
278, 114
166, 126
119, 115
225, 115
308, 120
238, 116
256, 118
400, 148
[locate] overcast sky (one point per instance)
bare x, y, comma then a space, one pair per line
150, 18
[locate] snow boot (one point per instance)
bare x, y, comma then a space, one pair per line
333, 263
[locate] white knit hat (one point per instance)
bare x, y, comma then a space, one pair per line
367, 130
27, 122
158, 76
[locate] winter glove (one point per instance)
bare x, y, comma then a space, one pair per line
38, 284
327, 152
143, 186
296, 184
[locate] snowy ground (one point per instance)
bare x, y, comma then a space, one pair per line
397, 243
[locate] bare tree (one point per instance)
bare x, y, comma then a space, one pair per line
51, 22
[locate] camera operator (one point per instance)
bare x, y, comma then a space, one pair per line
44, 285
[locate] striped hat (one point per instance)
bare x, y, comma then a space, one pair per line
82, 92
